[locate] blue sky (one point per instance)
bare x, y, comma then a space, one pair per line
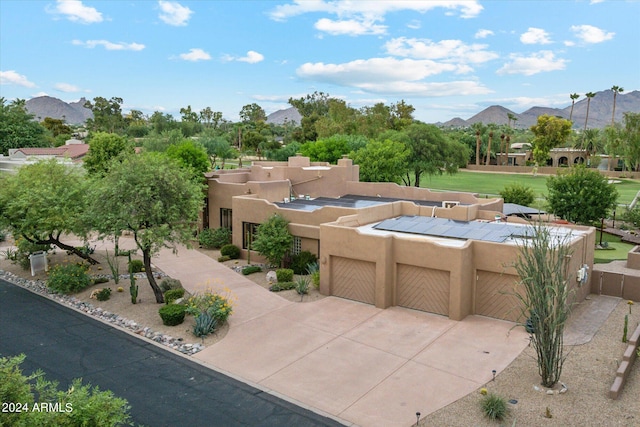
446, 58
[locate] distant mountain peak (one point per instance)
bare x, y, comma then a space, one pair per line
47, 106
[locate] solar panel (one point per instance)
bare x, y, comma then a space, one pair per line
442, 227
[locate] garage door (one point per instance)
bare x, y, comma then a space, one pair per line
494, 296
353, 279
423, 289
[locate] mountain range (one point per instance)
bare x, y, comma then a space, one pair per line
600, 109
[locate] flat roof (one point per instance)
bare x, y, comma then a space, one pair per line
349, 201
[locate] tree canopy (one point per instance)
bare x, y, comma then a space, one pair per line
17, 127
382, 161
154, 198
582, 195
191, 156
273, 239
43, 202
549, 132
104, 148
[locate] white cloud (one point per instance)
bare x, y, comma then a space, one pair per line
90, 44
350, 27
591, 34
414, 24
35, 95
454, 51
390, 76
535, 63
67, 87
363, 17
251, 57
483, 34
75, 11
12, 78
195, 55
535, 36
173, 13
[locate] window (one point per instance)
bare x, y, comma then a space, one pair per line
296, 245
249, 232
226, 218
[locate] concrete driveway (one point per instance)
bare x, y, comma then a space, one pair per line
360, 364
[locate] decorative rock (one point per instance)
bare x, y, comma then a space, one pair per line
549, 392
40, 287
272, 277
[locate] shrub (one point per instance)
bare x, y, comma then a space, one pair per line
300, 262
89, 405
173, 294
136, 266
518, 193
284, 275
314, 271
251, 269
205, 324
104, 294
282, 286
214, 304
223, 258
3, 235
302, 286
169, 283
494, 407
232, 251
172, 314
68, 278
215, 239
273, 239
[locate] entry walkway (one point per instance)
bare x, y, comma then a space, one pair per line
360, 364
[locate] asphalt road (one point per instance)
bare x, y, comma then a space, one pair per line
163, 389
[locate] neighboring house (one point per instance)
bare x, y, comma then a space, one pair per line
388, 245
72, 152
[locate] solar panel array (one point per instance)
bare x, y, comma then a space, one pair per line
465, 230
347, 201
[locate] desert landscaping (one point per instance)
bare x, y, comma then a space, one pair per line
588, 372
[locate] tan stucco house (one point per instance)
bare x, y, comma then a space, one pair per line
388, 245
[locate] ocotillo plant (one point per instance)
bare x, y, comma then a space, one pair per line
543, 291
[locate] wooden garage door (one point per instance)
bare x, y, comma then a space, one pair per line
494, 296
423, 289
353, 279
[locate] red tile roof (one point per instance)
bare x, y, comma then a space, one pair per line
72, 151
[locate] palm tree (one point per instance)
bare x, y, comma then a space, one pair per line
616, 90
488, 161
591, 142
589, 95
511, 118
573, 97
479, 128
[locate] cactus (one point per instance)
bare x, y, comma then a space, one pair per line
625, 329
133, 288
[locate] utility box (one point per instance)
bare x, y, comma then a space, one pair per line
38, 262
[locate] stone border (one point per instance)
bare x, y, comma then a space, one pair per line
40, 287
624, 369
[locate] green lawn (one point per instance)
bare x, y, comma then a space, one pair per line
490, 184
618, 252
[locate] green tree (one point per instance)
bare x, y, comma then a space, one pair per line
107, 115
17, 127
589, 95
159, 142
161, 123
543, 291
56, 126
104, 148
573, 97
191, 156
273, 239
83, 404
631, 134
549, 132
252, 114
151, 196
616, 90
432, 153
582, 195
45, 201
327, 150
382, 161
518, 193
